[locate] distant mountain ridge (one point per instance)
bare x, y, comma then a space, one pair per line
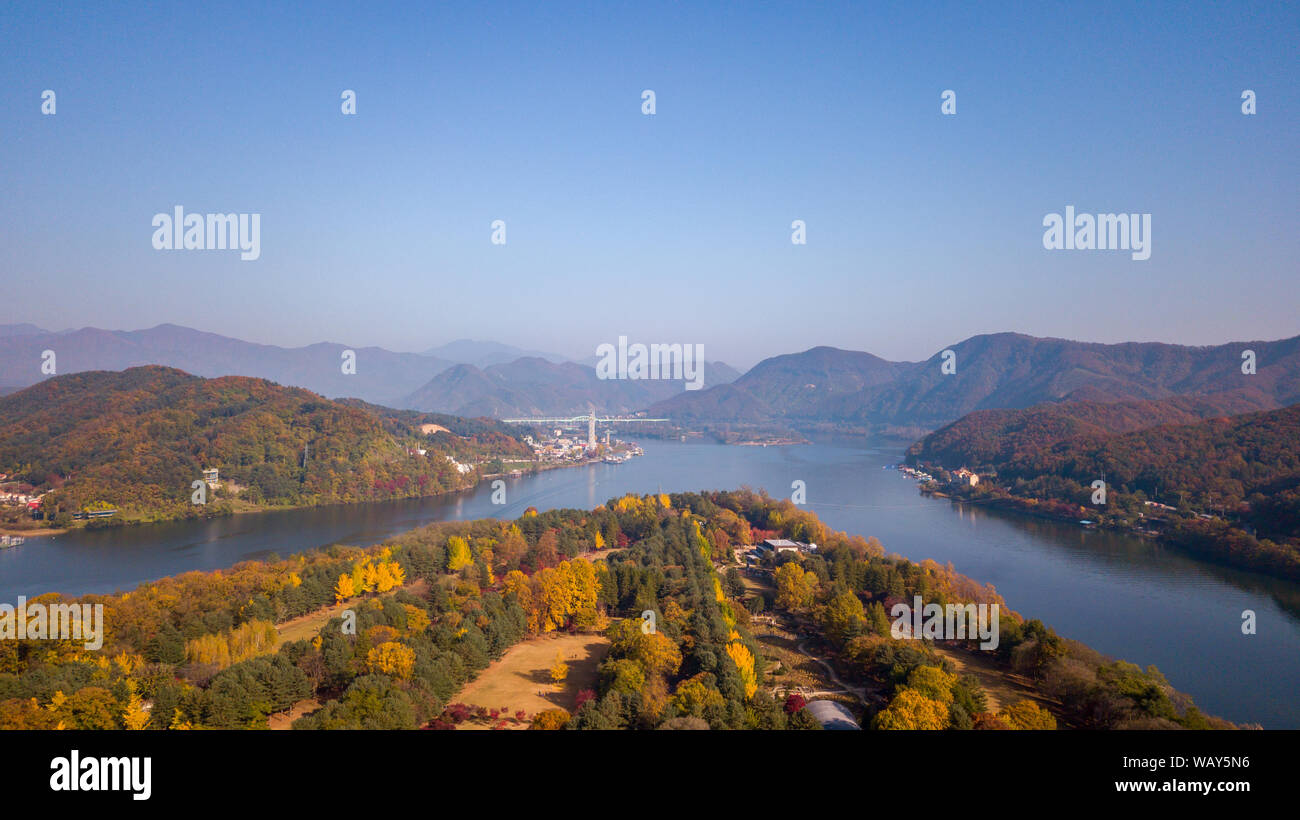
817, 387
485, 354
490, 378
21, 329
381, 375
536, 387
1001, 370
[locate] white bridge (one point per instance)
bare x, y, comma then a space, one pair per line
590, 419
577, 419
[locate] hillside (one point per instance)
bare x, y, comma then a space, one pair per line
985, 439
1230, 486
1003, 370
136, 440
796, 385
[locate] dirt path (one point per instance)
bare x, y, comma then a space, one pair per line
284, 720
306, 627
857, 691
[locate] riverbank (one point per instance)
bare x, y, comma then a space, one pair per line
33, 533
1216, 540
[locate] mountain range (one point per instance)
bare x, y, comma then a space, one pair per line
489, 378
537, 387
823, 386
1001, 370
381, 375
487, 353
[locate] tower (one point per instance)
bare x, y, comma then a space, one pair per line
591, 430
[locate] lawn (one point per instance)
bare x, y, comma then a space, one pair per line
521, 679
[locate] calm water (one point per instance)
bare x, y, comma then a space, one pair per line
1123, 596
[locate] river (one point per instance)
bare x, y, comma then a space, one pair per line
1127, 597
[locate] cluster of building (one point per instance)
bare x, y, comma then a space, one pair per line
559, 447
12, 498
27, 500
773, 546
963, 476
562, 448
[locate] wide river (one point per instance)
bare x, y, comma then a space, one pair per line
1127, 597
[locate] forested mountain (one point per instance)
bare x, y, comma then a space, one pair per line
380, 375
985, 439
536, 387
1233, 482
1003, 370
137, 439
795, 385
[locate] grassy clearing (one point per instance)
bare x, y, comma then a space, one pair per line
521, 679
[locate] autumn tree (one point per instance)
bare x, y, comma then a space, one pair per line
344, 590
393, 659
550, 720
844, 617
1025, 714
911, 709
559, 669
458, 554
744, 660
795, 588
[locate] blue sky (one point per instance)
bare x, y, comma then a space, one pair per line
923, 229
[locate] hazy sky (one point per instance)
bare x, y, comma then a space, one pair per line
922, 229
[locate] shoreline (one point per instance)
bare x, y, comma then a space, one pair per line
36, 533
1019, 506
255, 510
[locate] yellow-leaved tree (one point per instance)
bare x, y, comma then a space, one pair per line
744, 660
795, 588
343, 590
135, 716
912, 710
370, 574
559, 669
392, 658
1025, 714
417, 620
458, 554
